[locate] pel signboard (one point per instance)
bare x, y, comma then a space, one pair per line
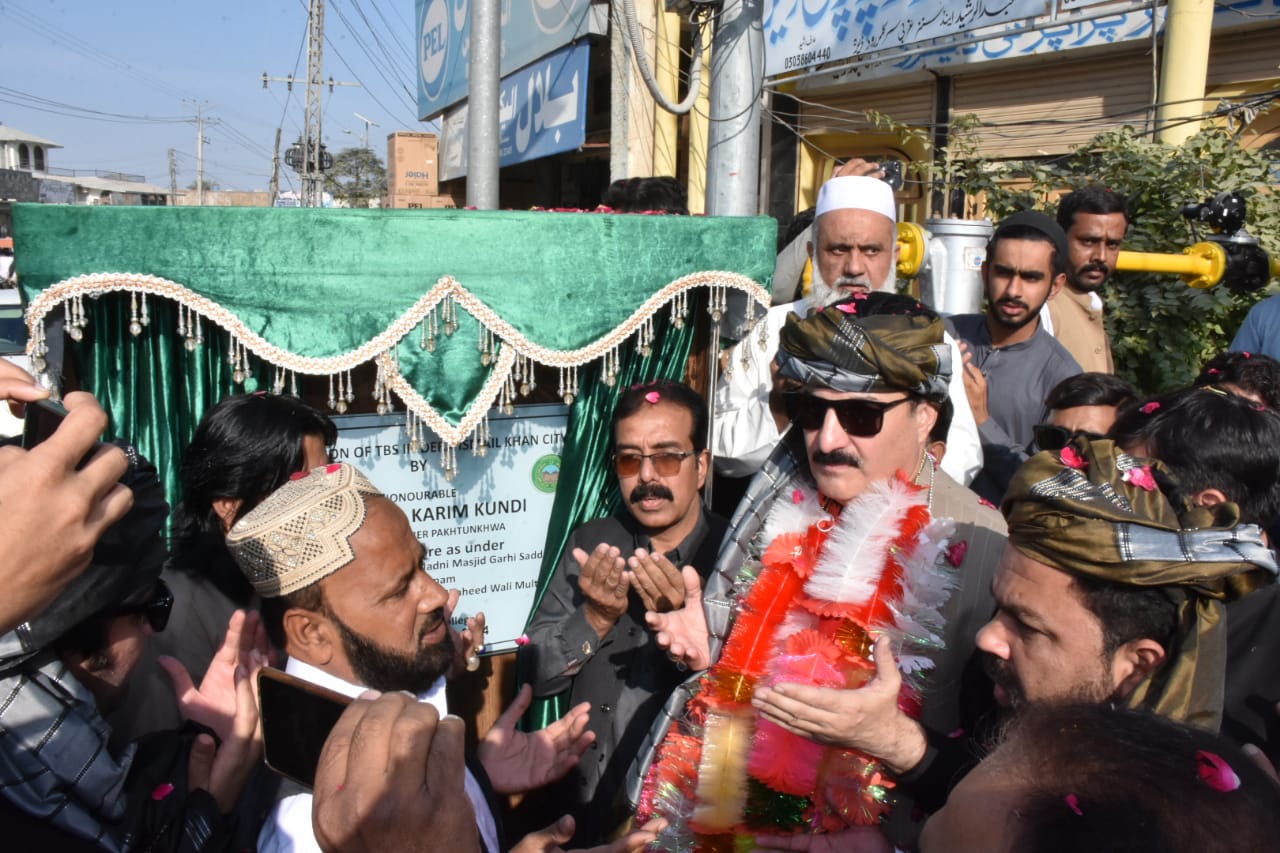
531, 29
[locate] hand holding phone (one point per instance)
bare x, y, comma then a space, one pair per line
58, 496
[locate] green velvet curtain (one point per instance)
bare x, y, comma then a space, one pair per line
588, 488
154, 390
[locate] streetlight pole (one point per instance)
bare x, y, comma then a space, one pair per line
368, 122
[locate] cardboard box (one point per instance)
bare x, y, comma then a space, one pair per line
419, 202
412, 164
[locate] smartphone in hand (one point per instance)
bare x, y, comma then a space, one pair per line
42, 418
297, 717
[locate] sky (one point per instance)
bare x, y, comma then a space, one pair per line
118, 83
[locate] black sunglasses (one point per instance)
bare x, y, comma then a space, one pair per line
665, 462
862, 418
1053, 437
157, 608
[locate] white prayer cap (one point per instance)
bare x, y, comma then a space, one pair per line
857, 192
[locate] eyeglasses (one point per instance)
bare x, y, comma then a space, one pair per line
1054, 437
665, 462
157, 608
862, 418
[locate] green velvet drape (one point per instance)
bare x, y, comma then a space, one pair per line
153, 389
587, 487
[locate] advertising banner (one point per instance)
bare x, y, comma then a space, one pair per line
802, 33
542, 110
530, 29
484, 530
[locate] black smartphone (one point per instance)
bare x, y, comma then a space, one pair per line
297, 717
41, 419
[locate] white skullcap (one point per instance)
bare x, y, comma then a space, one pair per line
299, 534
857, 192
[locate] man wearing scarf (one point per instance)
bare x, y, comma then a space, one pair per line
1111, 590
864, 379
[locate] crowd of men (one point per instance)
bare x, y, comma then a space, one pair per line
1104, 677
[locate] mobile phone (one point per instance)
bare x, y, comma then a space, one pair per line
297, 717
42, 418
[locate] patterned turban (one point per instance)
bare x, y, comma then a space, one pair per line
301, 533
1092, 510
872, 342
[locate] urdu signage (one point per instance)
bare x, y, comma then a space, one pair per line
530, 29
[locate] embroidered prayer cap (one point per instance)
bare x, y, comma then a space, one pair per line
871, 342
857, 192
300, 534
1037, 222
1094, 511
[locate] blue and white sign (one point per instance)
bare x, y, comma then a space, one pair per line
484, 530
801, 33
541, 111
530, 29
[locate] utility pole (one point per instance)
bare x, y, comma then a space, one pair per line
482, 105
368, 122
313, 177
737, 76
311, 160
200, 154
275, 170
173, 175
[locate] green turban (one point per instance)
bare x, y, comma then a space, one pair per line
1094, 511
871, 343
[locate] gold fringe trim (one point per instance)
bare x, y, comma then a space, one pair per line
381, 347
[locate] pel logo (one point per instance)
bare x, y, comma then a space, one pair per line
433, 46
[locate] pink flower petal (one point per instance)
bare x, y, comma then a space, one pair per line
1247, 355
847, 307
522, 640
1213, 371
298, 475
1072, 459
1215, 772
797, 497
1073, 803
955, 553
1140, 477
333, 468
1148, 408
161, 791
653, 396
956, 733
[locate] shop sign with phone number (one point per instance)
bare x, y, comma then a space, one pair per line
484, 530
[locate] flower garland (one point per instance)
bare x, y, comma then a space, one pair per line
823, 589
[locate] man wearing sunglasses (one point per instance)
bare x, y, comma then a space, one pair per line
863, 381
64, 783
588, 637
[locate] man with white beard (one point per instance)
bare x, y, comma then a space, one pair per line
854, 248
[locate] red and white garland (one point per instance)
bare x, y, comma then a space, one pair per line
810, 610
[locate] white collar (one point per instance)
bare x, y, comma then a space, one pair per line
434, 695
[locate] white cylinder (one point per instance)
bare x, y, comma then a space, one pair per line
951, 277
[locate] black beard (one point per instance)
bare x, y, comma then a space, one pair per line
386, 670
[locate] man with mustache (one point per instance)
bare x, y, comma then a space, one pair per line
864, 380
1010, 362
1095, 220
339, 571
853, 248
588, 636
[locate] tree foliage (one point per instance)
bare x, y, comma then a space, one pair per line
357, 176
1161, 329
